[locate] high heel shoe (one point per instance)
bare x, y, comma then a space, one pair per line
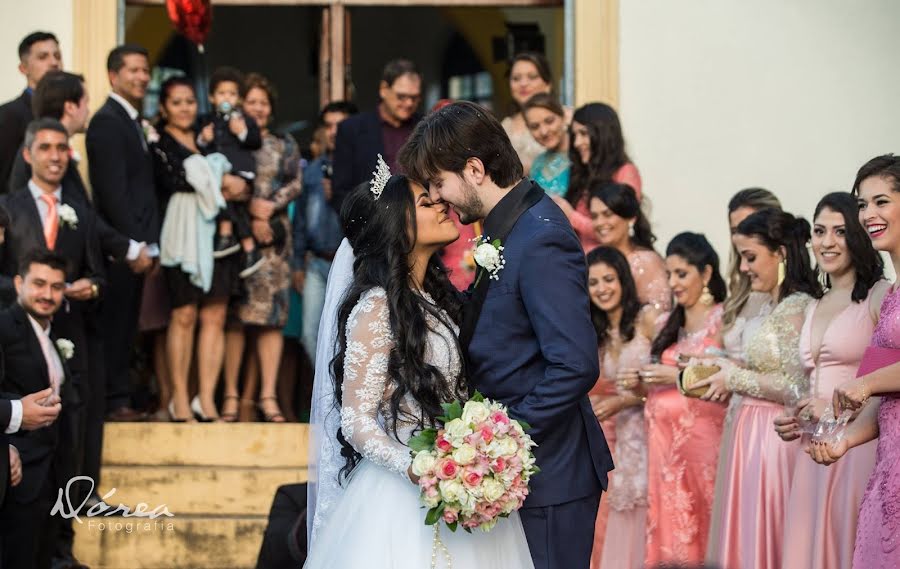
198, 411
226, 417
172, 417
271, 417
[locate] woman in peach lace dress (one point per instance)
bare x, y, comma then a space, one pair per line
597, 153
624, 332
683, 433
757, 481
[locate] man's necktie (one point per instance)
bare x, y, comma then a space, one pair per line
51, 223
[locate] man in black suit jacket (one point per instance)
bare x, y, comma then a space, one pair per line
121, 169
361, 138
34, 411
38, 53
36, 358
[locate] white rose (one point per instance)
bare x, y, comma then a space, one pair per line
423, 463
465, 454
487, 256
67, 215
66, 348
475, 412
456, 431
507, 447
431, 502
492, 489
452, 491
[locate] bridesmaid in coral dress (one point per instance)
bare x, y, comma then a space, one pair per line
624, 330
823, 503
683, 433
878, 530
598, 157
750, 527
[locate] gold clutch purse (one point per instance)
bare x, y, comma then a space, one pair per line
690, 376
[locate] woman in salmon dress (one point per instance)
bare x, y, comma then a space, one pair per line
823, 502
598, 157
877, 545
624, 331
750, 526
683, 433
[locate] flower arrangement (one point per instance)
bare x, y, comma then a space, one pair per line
489, 256
66, 348
476, 468
67, 215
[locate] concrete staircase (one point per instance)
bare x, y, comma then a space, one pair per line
217, 479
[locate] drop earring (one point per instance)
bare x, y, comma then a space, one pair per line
706, 298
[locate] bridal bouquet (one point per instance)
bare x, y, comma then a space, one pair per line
475, 470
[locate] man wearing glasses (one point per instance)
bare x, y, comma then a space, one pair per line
361, 138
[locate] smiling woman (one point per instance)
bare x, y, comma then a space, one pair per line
546, 120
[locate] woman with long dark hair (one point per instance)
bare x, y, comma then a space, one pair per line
597, 153
546, 119
683, 433
398, 359
625, 329
619, 222
750, 527
823, 502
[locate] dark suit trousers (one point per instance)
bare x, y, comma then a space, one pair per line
561, 536
27, 533
119, 314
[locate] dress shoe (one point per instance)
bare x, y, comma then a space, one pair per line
198, 411
67, 562
225, 245
251, 263
126, 414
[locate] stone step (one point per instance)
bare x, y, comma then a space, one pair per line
265, 445
198, 490
182, 542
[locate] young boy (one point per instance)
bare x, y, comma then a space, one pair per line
227, 131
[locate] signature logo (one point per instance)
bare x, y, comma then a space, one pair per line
65, 509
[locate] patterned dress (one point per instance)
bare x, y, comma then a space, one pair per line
277, 180
757, 481
683, 436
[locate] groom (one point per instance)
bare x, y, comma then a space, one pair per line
527, 333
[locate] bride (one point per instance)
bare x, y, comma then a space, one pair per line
397, 359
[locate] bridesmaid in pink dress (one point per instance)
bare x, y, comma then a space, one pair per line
749, 531
823, 503
597, 153
683, 433
619, 223
624, 329
878, 530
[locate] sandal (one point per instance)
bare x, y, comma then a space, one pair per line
276, 417
230, 417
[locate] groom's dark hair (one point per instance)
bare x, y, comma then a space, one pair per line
445, 139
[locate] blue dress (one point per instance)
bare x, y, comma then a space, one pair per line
550, 170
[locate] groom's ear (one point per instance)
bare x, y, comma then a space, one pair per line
475, 170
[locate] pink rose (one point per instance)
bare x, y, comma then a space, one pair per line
487, 432
450, 515
447, 469
500, 418
472, 478
443, 444
499, 465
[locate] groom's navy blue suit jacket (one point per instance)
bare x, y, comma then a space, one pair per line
535, 349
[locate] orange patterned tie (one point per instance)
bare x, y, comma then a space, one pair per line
51, 224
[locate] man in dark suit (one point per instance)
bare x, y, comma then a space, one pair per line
361, 138
121, 170
535, 352
35, 358
38, 53
34, 411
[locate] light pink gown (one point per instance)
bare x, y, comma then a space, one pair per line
878, 530
758, 479
605, 387
683, 436
823, 502
627, 496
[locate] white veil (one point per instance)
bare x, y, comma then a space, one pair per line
325, 417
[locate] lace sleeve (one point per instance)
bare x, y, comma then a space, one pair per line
774, 367
369, 344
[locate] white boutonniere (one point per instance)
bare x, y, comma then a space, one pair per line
149, 132
489, 256
66, 348
67, 215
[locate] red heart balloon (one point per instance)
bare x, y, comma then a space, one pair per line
191, 18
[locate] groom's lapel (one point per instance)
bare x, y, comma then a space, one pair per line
498, 224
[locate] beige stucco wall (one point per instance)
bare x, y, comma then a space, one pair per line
719, 95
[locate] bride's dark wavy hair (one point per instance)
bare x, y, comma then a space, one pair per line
382, 233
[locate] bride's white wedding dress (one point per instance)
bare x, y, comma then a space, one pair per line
377, 522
